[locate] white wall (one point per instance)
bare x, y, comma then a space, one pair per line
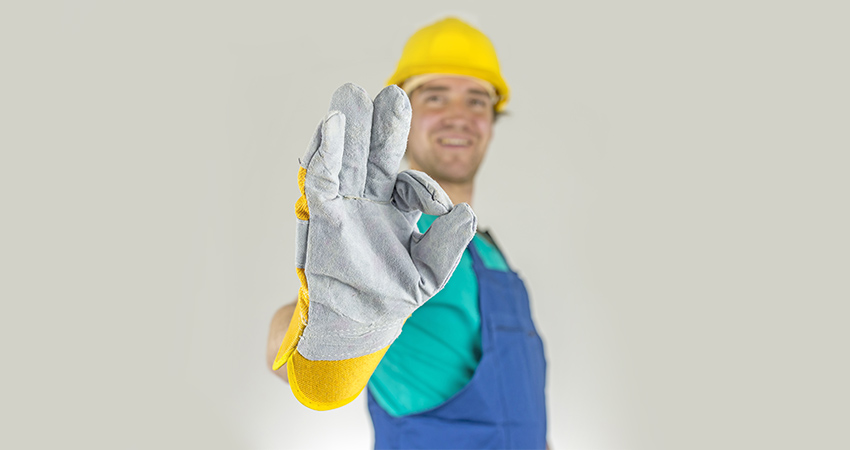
671, 182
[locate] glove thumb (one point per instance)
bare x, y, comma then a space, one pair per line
437, 254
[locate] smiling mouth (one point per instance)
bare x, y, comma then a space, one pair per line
455, 142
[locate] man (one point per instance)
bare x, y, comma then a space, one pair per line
468, 369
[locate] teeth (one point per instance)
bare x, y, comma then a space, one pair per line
454, 141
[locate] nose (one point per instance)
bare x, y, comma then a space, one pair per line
457, 114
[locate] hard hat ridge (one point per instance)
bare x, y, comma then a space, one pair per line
451, 46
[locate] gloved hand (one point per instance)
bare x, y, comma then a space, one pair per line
363, 265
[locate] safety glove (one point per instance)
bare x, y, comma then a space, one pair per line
363, 265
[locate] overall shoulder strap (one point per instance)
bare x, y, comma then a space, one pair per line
486, 234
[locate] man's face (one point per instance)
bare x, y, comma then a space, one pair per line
450, 128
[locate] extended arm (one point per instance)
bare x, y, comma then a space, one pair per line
277, 329
362, 264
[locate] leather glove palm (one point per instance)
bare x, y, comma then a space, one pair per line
363, 265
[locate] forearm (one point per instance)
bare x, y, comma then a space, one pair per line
277, 330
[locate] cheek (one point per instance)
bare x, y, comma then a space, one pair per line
415, 129
427, 120
419, 126
485, 127
417, 138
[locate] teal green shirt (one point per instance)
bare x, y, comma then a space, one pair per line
440, 344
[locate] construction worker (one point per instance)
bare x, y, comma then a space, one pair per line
398, 289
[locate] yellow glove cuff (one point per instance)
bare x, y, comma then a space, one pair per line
319, 385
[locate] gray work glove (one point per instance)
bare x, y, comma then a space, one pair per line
363, 265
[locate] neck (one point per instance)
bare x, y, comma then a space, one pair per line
458, 192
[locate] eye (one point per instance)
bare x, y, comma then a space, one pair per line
479, 103
434, 99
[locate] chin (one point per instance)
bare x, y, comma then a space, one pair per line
455, 177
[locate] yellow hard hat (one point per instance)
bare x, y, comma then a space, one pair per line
452, 47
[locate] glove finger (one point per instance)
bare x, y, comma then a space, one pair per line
322, 181
355, 104
438, 253
314, 145
416, 191
390, 125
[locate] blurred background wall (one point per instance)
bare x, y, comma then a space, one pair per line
671, 182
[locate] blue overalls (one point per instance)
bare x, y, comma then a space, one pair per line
503, 406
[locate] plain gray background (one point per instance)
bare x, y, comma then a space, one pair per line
671, 183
